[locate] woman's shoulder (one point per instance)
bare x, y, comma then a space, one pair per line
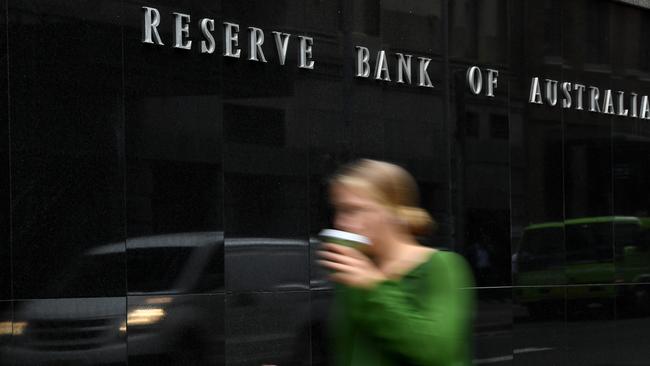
450, 265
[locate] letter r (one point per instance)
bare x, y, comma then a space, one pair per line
150, 26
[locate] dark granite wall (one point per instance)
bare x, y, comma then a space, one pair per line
161, 205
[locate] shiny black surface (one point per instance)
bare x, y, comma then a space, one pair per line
588, 143
5, 215
536, 147
539, 325
6, 329
591, 325
320, 340
184, 191
66, 143
173, 144
77, 331
176, 330
632, 319
268, 328
492, 340
479, 139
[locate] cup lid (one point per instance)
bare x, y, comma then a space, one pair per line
344, 235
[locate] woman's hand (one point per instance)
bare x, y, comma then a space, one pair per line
350, 266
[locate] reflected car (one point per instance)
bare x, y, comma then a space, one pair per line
174, 313
168, 319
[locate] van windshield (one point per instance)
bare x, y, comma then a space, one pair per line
589, 242
541, 248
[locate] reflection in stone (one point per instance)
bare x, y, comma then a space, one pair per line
591, 256
493, 327
633, 322
268, 329
265, 264
174, 315
539, 335
173, 263
591, 326
175, 330
482, 159
68, 332
6, 330
164, 321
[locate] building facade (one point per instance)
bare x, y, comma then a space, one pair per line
163, 168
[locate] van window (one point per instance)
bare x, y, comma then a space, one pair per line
590, 242
541, 248
627, 234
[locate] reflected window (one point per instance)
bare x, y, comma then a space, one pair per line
367, 16
94, 271
553, 28
254, 125
155, 269
499, 126
597, 47
471, 125
644, 46
627, 235
212, 278
589, 242
541, 248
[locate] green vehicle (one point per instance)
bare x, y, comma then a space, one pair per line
590, 254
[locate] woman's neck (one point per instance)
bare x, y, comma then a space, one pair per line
392, 248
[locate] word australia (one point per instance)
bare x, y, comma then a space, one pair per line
591, 98
182, 39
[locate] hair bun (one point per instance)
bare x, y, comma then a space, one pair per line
418, 220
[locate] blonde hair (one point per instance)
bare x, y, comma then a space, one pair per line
390, 185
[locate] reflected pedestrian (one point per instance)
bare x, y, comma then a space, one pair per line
397, 302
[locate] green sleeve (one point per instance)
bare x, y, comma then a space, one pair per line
432, 331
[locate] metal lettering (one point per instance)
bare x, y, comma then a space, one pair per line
425, 81
566, 100
535, 92
181, 31
474, 79
608, 105
281, 44
633, 103
306, 44
492, 76
381, 68
231, 40
403, 67
580, 92
150, 26
622, 111
256, 39
645, 108
551, 92
594, 95
207, 26
363, 67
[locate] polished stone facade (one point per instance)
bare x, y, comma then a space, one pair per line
161, 204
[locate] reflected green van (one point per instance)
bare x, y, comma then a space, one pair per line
589, 254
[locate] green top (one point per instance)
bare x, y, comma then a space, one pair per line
420, 319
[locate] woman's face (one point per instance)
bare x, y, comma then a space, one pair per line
357, 212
